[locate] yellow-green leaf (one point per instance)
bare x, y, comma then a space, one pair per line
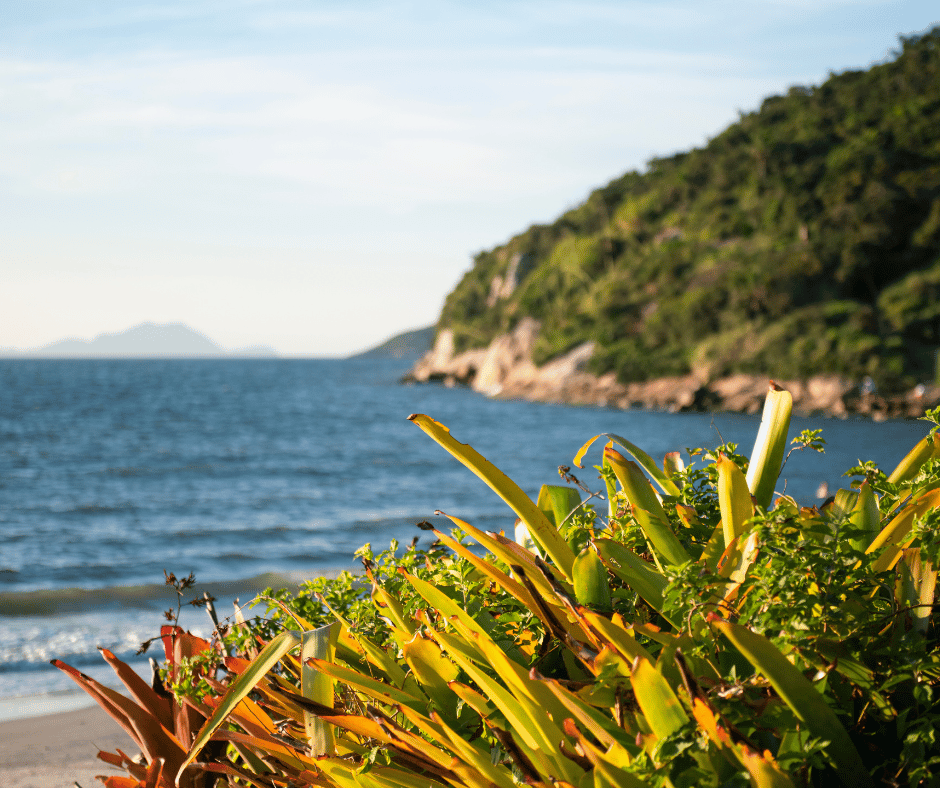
893, 536
763, 769
634, 571
433, 670
557, 502
591, 586
714, 548
450, 610
770, 445
865, 516
601, 725
616, 635
386, 693
642, 497
918, 580
734, 498
535, 729
539, 527
926, 448
660, 705
666, 484
317, 686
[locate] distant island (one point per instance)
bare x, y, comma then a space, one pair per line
148, 340
409, 346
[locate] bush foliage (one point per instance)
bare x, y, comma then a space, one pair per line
681, 625
803, 239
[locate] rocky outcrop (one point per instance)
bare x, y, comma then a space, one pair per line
502, 287
505, 369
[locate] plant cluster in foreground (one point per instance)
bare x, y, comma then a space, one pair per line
684, 626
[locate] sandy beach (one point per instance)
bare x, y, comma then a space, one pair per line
59, 750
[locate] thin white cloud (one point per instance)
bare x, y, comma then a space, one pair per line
274, 118
147, 143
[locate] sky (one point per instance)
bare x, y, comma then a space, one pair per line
316, 176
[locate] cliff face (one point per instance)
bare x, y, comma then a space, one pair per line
802, 243
505, 369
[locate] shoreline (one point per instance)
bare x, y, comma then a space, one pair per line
26, 707
59, 750
505, 370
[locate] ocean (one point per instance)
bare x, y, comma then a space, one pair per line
255, 473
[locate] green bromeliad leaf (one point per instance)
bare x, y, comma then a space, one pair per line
648, 509
802, 697
668, 486
540, 528
770, 445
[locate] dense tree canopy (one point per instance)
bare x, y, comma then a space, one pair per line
805, 238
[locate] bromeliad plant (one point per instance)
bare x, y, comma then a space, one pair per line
696, 631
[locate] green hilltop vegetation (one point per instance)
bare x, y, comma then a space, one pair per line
803, 239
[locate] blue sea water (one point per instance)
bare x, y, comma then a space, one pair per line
251, 473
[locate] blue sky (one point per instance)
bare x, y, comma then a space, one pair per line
316, 176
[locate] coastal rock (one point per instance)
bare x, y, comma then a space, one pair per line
505, 369
741, 393
508, 359
441, 365
671, 393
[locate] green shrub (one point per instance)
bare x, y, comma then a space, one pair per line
683, 626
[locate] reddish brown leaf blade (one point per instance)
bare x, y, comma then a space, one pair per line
92, 687
179, 645
145, 729
119, 782
140, 690
136, 770
154, 773
231, 771
110, 758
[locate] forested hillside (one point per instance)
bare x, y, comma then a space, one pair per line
803, 239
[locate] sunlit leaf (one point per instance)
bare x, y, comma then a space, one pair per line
541, 529
240, 688
649, 465
770, 445
320, 645
641, 495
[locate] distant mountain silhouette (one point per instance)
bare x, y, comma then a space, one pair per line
148, 340
410, 345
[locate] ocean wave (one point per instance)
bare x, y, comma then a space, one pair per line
58, 601
277, 532
76, 659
